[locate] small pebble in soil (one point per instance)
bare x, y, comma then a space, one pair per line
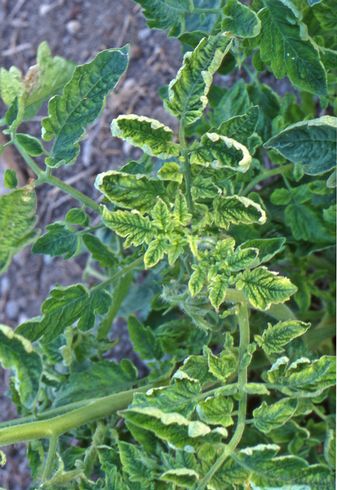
12, 309
73, 27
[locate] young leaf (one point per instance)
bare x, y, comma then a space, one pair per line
80, 104
61, 309
240, 127
267, 247
10, 178
187, 93
276, 337
242, 259
161, 215
18, 354
155, 252
31, 145
216, 410
170, 171
312, 143
11, 86
221, 366
236, 210
197, 279
99, 251
181, 477
240, 20
58, 241
217, 290
17, 221
135, 228
264, 288
136, 463
285, 45
168, 16
143, 340
77, 216
221, 152
153, 137
269, 417
130, 191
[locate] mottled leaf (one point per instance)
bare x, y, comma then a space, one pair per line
240, 20
276, 337
136, 228
236, 210
269, 417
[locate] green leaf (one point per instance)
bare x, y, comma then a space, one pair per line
136, 463
168, 15
307, 224
130, 191
269, 417
216, 410
240, 127
182, 477
100, 379
135, 228
197, 279
312, 143
236, 210
61, 309
11, 85
267, 247
143, 340
285, 45
58, 241
303, 374
171, 427
264, 288
31, 145
161, 215
276, 337
180, 212
99, 251
221, 366
219, 151
18, 354
217, 290
171, 171
234, 101
153, 137
155, 252
77, 216
17, 221
330, 448
98, 303
81, 102
187, 93
10, 179
242, 259
240, 20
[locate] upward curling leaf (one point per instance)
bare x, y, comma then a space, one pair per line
237, 210
153, 137
80, 104
187, 93
168, 15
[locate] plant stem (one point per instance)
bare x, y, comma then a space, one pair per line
264, 176
94, 409
44, 177
119, 274
242, 410
50, 458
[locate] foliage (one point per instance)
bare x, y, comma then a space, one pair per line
197, 246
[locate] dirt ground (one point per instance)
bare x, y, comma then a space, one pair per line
77, 30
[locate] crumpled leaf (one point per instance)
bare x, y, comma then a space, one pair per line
153, 137
276, 337
18, 354
17, 221
269, 417
240, 20
234, 210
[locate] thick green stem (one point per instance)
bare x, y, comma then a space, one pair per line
119, 274
242, 410
44, 177
266, 175
54, 427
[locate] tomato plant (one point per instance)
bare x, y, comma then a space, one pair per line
215, 246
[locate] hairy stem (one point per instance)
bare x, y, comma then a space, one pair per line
50, 458
44, 177
49, 428
242, 410
120, 273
